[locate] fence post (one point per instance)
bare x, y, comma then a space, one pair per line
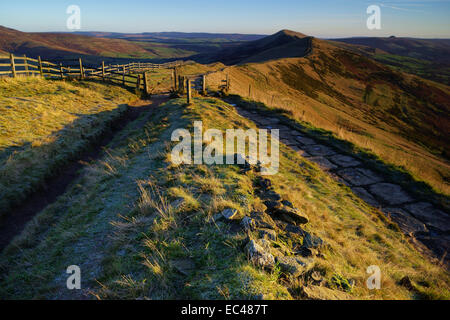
123, 75
147, 92
41, 71
204, 84
138, 83
249, 90
103, 70
81, 69
25, 62
174, 77
188, 91
61, 71
13, 65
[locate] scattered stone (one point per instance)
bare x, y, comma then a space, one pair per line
248, 224
268, 234
313, 292
432, 217
359, 177
272, 196
291, 265
344, 161
311, 241
230, 214
184, 266
259, 256
272, 205
323, 163
390, 193
265, 184
293, 213
287, 203
319, 150
263, 220
366, 196
407, 223
305, 141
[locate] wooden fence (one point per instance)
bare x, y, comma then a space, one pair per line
126, 74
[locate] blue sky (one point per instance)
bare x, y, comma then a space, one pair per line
320, 18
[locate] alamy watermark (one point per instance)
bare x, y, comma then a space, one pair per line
374, 20
74, 280
374, 281
73, 22
216, 152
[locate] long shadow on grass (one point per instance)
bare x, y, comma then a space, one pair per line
36, 176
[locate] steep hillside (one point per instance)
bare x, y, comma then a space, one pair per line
436, 50
427, 58
401, 118
142, 227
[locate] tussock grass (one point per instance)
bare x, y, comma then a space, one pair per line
132, 244
44, 124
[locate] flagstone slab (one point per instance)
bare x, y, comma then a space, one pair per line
305, 141
359, 176
300, 151
344, 161
406, 222
366, 196
319, 150
426, 212
323, 163
390, 193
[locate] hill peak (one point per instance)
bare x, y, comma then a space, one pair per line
290, 33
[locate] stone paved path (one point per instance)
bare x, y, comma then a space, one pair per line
420, 220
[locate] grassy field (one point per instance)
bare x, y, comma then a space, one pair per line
45, 123
142, 227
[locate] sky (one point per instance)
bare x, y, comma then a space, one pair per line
319, 18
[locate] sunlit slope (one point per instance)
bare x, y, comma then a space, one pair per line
400, 117
141, 227
45, 123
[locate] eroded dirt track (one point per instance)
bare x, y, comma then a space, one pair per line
18, 217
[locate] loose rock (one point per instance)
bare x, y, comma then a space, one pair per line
259, 256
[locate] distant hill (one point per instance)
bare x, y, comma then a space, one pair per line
159, 45
175, 36
428, 58
53, 45
282, 44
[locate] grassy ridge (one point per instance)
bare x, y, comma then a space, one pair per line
43, 124
143, 228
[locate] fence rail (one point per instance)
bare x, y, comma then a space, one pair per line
130, 74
